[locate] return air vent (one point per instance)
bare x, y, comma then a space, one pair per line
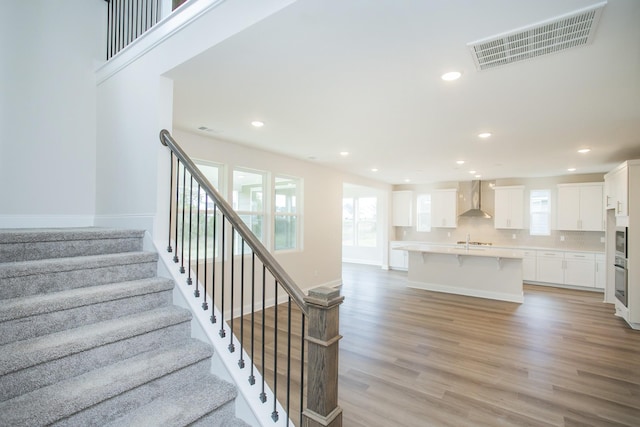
554, 35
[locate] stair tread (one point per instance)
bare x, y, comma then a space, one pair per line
65, 398
16, 308
51, 265
195, 400
33, 351
29, 235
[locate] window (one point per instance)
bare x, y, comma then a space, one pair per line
424, 212
359, 221
211, 171
286, 214
540, 208
248, 200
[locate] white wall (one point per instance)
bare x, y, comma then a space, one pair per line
135, 102
50, 50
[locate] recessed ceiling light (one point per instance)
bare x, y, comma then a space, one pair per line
484, 135
451, 76
460, 162
374, 169
584, 150
344, 153
257, 123
472, 172
571, 169
478, 176
407, 180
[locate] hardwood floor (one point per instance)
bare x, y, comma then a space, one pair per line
411, 357
417, 358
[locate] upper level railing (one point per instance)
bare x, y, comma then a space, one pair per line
129, 19
291, 338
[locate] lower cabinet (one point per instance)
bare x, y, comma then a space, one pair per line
398, 260
529, 266
601, 271
567, 268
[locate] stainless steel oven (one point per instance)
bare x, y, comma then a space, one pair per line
621, 242
621, 280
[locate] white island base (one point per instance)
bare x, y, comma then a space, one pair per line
476, 272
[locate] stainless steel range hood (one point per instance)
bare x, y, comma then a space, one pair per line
475, 197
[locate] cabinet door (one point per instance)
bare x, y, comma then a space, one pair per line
568, 208
579, 270
622, 192
402, 208
529, 266
601, 272
502, 211
444, 208
550, 267
591, 211
397, 259
517, 208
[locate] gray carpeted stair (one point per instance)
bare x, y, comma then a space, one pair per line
89, 336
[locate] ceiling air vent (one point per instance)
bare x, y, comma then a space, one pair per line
554, 35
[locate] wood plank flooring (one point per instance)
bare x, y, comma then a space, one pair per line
417, 358
411, 357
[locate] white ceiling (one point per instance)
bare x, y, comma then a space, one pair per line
363, 76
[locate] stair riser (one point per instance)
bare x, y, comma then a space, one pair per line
117, 406
29, 251
14, 287
26, 380
43, 324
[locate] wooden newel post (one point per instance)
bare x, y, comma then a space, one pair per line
322, 381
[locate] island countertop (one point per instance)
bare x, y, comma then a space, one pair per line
478, 251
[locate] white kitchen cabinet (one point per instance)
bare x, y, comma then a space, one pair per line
579, 269
550, 267
444, 208
617, 186
529, 266
580, 207
398, 260
601, 271
402, 202
569, 268
509, 207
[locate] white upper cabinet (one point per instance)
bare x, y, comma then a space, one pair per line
617, 190
402, 202
444, 208
580, 207
509, 207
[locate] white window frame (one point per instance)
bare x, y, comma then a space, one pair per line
533, 210
297, 214
423, 218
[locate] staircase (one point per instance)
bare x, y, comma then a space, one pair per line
89, 336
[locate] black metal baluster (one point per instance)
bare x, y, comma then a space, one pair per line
196, 293
189, 281
302, 338
288, 358
206, 243
169, 249
175, 254
232, 347
184, 198
222, 333
263, 395
274, 414
241, 360
213, 266
252, 377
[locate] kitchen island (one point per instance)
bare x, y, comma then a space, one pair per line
474, 271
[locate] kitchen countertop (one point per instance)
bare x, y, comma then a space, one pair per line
477, 251
403, 243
